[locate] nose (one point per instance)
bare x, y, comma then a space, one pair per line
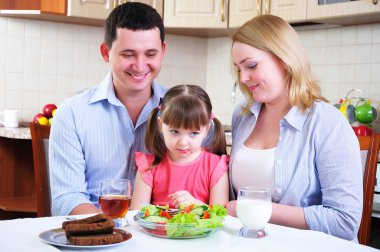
182, 140
139, 64
243, 77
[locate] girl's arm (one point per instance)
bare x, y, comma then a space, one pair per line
219, 193
141, 193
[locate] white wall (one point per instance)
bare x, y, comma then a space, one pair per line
45, 62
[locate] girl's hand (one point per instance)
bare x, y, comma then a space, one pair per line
183, 197
231, 208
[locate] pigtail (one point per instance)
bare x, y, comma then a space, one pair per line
154, 141
218, 143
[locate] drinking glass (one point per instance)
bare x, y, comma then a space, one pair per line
254, 209
115, 199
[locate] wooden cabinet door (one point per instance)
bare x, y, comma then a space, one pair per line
196, 13
341, 9
19, 4
290, 10
241, 11
94, 9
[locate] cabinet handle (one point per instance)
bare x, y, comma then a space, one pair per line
114, 3
125, 1
222, 10
259, 6
374, 2
267, 6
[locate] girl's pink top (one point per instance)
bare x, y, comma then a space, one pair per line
197, 177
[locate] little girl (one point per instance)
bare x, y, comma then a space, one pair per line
179, 170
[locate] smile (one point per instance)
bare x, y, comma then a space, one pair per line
138, 76
253, 87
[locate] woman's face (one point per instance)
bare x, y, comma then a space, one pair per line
262, 72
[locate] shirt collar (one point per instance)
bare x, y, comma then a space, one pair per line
105, 91
295, 117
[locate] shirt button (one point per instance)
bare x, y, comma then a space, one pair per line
278, 162
280, 138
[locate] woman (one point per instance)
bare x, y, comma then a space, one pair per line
288, 138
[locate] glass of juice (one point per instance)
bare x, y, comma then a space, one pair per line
115, 198
254, 209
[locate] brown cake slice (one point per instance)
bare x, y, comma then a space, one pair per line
75, 229
92, 219
101, 239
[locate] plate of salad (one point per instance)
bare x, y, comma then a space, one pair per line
188, 222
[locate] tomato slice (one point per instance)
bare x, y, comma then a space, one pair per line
165, 214
188, 208
206, 215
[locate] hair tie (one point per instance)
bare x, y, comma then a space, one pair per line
159, 104
212, 116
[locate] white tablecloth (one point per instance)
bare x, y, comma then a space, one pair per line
22, 235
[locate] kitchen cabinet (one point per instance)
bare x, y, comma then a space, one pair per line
33, 6
291, 10
100, 9
228, 14
344, 12
196, 13
17, 186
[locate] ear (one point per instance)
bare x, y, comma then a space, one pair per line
104, 51
163, 48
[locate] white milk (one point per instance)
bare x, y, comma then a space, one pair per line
254, 213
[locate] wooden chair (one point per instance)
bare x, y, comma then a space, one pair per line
40, 143
369, 146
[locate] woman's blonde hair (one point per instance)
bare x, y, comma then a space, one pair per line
274, 35
188, 107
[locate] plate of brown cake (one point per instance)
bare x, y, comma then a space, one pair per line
92, 232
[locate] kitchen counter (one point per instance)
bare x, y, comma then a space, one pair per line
16, 133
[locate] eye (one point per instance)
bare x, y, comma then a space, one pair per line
151, 55
252, 66
127, 55
194, 134
174, 132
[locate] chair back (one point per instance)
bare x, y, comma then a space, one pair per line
40, 143
369, 147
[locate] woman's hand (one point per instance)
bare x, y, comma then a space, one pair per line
183, 197
231, 208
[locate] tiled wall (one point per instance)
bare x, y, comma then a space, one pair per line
46, 62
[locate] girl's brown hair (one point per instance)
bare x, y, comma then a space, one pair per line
274, 35
187, 107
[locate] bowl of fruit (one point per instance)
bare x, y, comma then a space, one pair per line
188, 222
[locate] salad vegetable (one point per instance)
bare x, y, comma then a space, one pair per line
191, 220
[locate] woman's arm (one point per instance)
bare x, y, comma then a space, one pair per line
141, 193
219, 193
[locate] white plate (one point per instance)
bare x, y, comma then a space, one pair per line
57, 237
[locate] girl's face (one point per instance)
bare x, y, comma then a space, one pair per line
183, 145
262, 72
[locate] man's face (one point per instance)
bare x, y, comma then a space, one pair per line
135, 58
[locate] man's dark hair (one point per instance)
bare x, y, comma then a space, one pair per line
133, 16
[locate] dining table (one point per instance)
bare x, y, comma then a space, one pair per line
24, 235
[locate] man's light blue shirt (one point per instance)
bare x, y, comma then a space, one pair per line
317, 166
93, 138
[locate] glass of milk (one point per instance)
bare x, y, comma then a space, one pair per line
254, 209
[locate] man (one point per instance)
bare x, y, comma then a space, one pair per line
95, 134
